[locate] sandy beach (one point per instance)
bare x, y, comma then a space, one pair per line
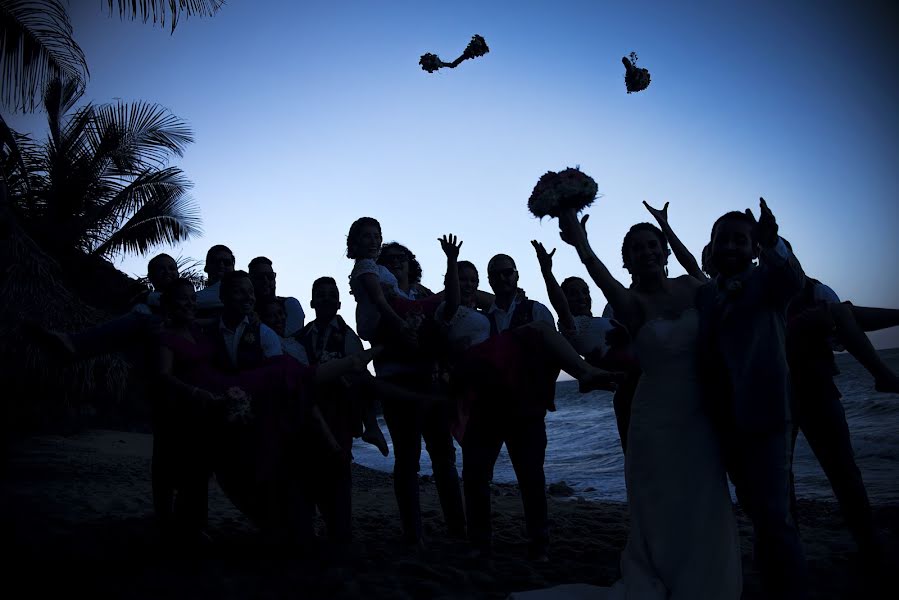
77, 517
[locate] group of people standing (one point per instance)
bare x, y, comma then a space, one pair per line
714, 373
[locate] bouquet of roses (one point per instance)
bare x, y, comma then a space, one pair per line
238, 406
636, 79
570, 188
476, 47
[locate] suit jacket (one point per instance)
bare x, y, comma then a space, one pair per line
742, 342
250, 354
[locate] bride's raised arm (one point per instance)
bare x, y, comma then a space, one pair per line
623, 301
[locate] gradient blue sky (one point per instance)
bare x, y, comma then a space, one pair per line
308, 115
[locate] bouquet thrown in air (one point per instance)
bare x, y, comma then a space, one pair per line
636, 79
554, 192
476, 47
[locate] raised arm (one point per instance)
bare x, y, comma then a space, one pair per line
623, 301
452, 298
683, 256
786, 275
553, 289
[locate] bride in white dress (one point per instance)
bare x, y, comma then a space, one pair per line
683, 541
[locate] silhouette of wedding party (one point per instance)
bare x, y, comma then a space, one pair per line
262, 403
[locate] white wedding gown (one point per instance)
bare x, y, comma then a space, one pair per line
683, 542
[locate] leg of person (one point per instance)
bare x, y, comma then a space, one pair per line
398, 393
162, 477
195, 460
333, 480
824, 426
304, 492
852, 336
191, 507
340, 528
324, 438
526, 442
372, 433
439, 445
404, 424
333, 497
163, 464
112, 335
759, 466
480, 449
874, 319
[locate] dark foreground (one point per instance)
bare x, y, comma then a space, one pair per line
77, 517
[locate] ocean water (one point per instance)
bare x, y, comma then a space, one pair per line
584, 450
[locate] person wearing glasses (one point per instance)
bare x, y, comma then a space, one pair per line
516, 419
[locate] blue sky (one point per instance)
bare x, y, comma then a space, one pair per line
308, 115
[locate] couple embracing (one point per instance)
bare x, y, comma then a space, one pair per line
712, 401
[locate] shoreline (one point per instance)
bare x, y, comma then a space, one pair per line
78, 508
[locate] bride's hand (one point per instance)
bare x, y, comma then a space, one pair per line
571, 230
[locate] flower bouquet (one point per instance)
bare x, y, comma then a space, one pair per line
238, 406
554, 192
636, 79
476, 47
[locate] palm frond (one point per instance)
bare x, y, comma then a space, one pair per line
160, 10
20, 161
36, 45
143, 134
162, 220
148, 187
60, 96
11, 157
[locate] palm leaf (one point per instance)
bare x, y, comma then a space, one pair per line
36, 45
138, 135
11, 156
164, 219
59, 97
148, 187
159, 10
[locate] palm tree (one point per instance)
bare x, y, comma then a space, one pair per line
160, 9
101, 183
36, 43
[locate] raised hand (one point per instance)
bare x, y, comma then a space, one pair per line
449, 245
766, 228
543, 257
571, 230
660, 215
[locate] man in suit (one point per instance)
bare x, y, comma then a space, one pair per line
743, 329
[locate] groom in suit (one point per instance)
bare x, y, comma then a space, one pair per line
743, 354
